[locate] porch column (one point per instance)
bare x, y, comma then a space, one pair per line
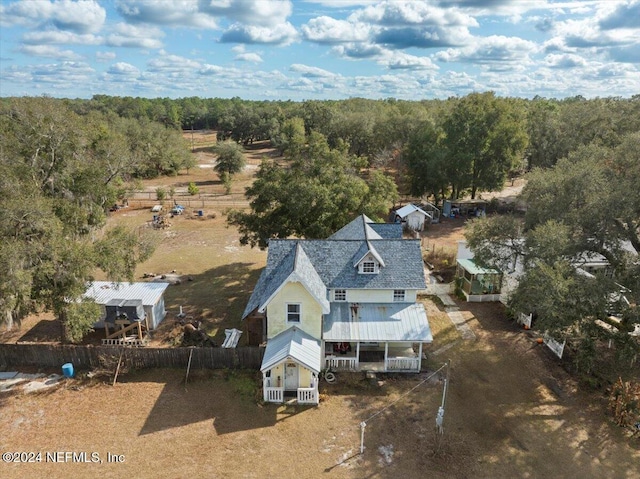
386, 355
358, 355
265, 385
419, 357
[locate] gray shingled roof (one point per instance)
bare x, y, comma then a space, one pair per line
329, 264
280, 264
388, 230
359, 229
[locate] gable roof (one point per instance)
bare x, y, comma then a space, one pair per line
365, 250
359, 229
294, 266
293, 343
406, 210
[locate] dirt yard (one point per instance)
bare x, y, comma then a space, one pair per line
512, 409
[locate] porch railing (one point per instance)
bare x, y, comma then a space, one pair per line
273, 394
307, 396
403, 364
343, 363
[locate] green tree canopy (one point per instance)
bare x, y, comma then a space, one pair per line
57, 175
318, 193
585, 207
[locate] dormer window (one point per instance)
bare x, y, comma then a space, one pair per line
369, 265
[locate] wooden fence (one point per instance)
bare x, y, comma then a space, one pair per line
89, 357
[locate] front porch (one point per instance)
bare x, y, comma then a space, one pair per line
383, 337
379, 357
290, 368
277, 394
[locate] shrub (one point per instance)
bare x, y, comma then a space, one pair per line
193, 189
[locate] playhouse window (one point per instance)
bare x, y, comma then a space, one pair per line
340, 295
398, 294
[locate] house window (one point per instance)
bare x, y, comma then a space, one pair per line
340, 295
368, 267
293, 312
398, 294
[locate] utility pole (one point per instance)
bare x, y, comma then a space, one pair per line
440, 415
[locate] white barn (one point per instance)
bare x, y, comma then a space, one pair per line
151, 294
413, 216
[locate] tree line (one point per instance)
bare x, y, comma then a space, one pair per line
64, 162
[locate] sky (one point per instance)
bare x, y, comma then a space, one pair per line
319, 49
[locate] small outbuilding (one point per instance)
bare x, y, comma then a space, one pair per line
134, 299
478, 284
413, 216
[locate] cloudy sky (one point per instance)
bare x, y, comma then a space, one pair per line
319, 49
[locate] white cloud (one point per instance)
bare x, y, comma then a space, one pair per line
57, 37
342, 3
82, 16
105, 56
123, 68
311, 72
172, 63
329, 30
411, 13
264, 13
565, 60
249, 57
358, 51
394, 60
284, 34
65, 75
176, 13
494, 51
143, 36
27, 14
48, 51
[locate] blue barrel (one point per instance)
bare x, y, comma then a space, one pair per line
200, 212
67, 370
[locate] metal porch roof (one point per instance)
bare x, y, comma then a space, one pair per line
377, 322
470, 266
293, 343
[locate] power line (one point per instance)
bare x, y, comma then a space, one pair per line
363, 424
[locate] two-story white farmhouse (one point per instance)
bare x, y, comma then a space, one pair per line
347, 302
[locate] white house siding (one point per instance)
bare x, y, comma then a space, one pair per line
311, 320
378, 295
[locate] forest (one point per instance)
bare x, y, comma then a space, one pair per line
64, 162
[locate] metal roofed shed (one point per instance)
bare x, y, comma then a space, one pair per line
150, 295
477, 283
413, 216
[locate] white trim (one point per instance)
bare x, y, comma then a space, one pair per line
295, 278
299, 313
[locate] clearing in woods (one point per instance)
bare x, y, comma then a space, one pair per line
512, 410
